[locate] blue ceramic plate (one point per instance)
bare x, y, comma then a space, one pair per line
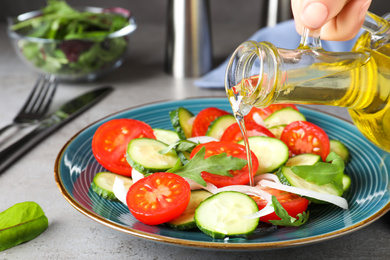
368, 197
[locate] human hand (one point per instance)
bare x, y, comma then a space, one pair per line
339, 20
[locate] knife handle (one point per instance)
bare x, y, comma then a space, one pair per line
19, 148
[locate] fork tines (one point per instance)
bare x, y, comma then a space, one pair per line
40, 98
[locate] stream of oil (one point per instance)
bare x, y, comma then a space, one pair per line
241, 122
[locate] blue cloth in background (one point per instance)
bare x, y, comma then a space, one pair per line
283, 35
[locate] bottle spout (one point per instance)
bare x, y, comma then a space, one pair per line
251, 75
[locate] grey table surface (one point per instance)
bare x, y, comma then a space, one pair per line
140, 80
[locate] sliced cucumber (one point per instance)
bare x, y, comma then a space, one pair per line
186, 220
270, 152
287, 176
143, 154
103, 182
181, 121
339, 148
166, 136
283, 116
303, 159
223, 214
346, 182
277, 130
219, 125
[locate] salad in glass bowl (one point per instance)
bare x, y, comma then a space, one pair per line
72, 43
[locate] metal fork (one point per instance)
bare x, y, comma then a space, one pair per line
37, 103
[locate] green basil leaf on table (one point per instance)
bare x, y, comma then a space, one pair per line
21, 223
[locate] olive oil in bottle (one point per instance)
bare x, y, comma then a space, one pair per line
259, 74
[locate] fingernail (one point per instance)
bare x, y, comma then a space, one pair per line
315, 14
364, 9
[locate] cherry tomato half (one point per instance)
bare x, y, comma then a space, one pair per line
111, 139
204, 118
231, 149
233, 132
292, 203
276, 107
305, 137
158, 198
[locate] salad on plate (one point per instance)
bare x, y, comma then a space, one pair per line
196, 176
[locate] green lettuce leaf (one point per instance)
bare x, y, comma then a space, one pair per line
20, 223
322, 173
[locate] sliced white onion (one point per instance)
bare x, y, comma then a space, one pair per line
336, 200
193, 184
268, 209
247, 190
202, 139
196, 186
258, 120
120, 190
136, 175
266, 176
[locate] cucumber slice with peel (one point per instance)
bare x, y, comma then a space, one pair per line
303, 159
219, 125
223, 215
339, 148
283, 116
277, 130
287, 176
186, 220
104, 181
143, 154
181, 121
166, 136
270, 152
346, 182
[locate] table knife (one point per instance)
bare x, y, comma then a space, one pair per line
50, 124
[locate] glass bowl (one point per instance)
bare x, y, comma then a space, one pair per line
73, 59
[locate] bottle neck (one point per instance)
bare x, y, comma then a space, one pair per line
251, 76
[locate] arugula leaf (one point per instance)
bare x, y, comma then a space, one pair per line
219, 164
323, 172
286, 219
